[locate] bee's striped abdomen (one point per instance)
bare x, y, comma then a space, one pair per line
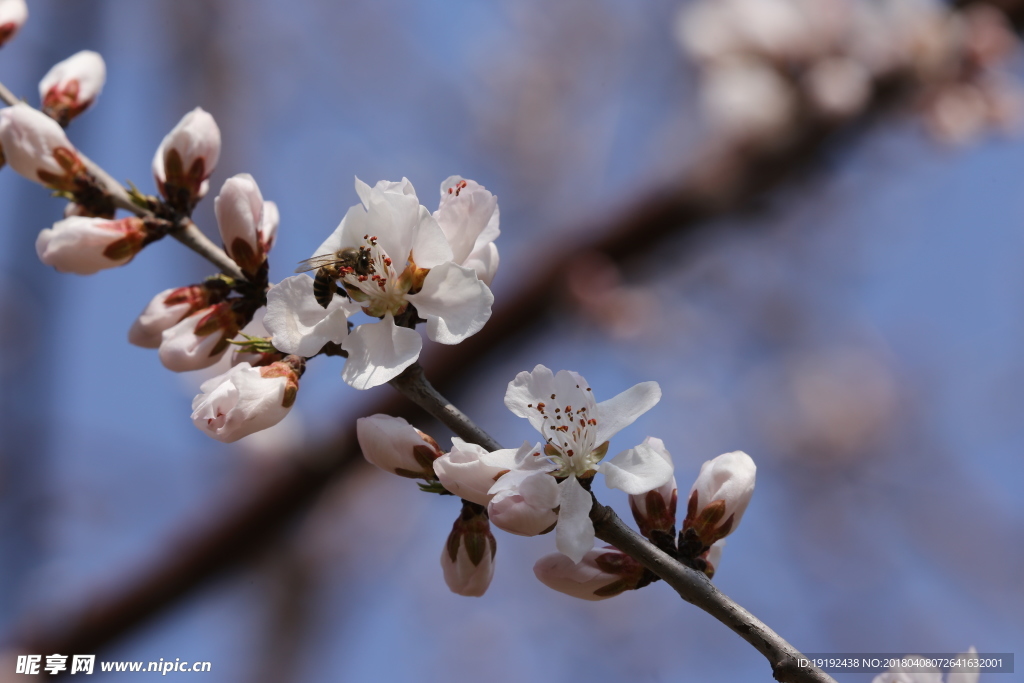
323, 287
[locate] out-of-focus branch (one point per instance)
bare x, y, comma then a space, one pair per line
724, 181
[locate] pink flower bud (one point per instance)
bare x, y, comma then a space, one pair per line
656, 510
395, 446
239, 208
602, 573
468, 557
199, 340
186, 158
87, 245
167, 309
526, 505
13, 14
36, 147
71, 86
720, 496
245, 399
469, 471
713, 558
268, 226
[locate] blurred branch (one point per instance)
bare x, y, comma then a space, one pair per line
723, 181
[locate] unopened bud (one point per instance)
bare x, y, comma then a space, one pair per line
395, 446
36, 147
245, 399
656, 510
167, 309
468, 556
13, 14
240, 216
602, 573
719, 497
199, 340
71, 86
713, 557
186, 159
87, 245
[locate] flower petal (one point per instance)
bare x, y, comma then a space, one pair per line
298, 323
378, 352
455, 303
638, 470
619, 412
574, 535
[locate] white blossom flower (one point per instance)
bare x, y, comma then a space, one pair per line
962, 674
245, 399
199, 340
602, 573
164, 311
298, 324
13, 14
720, 496
240, 213
395, 446
468, 215
656, 509
36, 147
469, 471
747, 101
576, 429
409, 262
71, 86
467, 559
86, 245
186, 158
838, 87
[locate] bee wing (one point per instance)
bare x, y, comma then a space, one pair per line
315, 262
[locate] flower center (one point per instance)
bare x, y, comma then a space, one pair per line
374, 280
570, 432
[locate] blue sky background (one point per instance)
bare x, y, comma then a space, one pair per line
860, 335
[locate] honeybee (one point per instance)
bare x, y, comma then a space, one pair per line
331, 267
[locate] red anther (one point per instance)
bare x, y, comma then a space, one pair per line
591, 421
362, 278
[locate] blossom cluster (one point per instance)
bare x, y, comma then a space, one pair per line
766, 64
541, 487
390, 258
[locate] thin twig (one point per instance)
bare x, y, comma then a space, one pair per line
199, 554
692, 586
413, 384
7, 96
186, 232
189, 234
695, 588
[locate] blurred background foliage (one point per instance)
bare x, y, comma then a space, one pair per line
858, 333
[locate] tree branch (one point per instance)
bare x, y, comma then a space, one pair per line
692, 586
725, 182
185, 231
413, 384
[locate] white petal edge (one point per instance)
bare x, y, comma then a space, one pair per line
378, 352
455, 303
